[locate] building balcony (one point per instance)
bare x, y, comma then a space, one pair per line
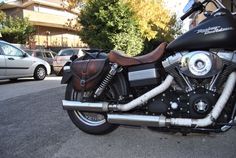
44, 19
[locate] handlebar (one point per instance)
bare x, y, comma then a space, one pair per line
191, 11
197, 6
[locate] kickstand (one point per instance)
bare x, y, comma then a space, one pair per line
233, 117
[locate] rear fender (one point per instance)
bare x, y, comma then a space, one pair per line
67, 74
121, 84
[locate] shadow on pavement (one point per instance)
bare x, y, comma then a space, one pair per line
3, 82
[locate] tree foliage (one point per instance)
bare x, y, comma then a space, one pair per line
155, 20
162, 35
15, 29
110, 24
2, 16
124, 24
70, 4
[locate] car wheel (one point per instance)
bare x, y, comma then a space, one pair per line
40, 73
52, 70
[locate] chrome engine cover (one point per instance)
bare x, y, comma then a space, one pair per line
196, 64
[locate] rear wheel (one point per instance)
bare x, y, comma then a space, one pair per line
92, 123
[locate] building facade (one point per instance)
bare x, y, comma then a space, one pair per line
197, 18
49, 19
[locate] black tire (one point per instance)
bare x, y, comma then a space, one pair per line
40, 73
76, 117
52, 70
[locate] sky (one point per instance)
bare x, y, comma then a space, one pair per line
177, 6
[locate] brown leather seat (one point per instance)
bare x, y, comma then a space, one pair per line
123, 60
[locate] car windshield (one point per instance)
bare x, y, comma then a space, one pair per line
68, 52
29, 52
39, 54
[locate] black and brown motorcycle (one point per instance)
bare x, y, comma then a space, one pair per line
185, 86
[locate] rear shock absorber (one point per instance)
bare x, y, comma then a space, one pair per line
106, 81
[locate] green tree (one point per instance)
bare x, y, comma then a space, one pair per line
2, 16
110, 24
154, 19
15, 30
72, 4
162, 35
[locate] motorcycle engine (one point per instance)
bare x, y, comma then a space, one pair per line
195, 104
197, 64
200, 64
198, 77
196, 69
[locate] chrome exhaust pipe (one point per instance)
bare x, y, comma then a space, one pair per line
104, 106
216, 111
156, 121
137, 120
162, 121
86, 106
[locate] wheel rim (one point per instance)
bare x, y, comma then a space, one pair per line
41, 73
90, 119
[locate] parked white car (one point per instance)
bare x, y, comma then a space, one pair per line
15, 63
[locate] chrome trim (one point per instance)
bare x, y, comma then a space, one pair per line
176, 58
65, 68
103, 106
159, 121
220, 5
216, 111
226, 127
226, 55
213, 81
234, 58
145, 97
83, 118
189, 64
106, 81
142, 74
200, 64
136, 120
186, 80
86, 106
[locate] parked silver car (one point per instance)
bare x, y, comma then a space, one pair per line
46, 55
63, 56
15, 63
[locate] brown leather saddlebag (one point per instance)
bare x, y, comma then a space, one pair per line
88, 74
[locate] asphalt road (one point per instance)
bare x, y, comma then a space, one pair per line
33, 125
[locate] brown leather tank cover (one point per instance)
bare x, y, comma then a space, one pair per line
87, 74
151, 57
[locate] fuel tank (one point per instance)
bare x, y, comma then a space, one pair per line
217, 31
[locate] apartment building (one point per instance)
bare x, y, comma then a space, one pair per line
196, 19
49, 19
